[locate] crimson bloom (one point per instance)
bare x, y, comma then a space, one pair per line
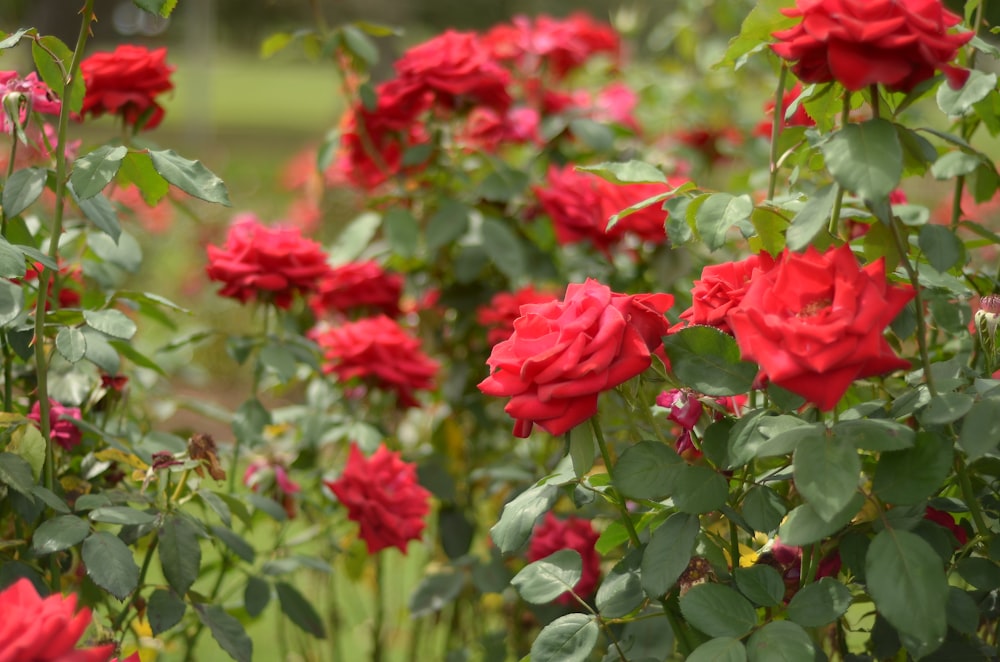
814, 322
564, 353
382, 495
61, 428
267, 263
37, 629
378, 351
799, 118
721, 288
126, 82
898, 43
575, 533
499, 314
358, 286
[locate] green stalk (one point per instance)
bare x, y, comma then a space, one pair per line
619, 501
378, 649
845, 116
969, 495
776, 123
117, 623
918, 302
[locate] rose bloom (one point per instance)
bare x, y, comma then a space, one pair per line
683, 408
721, 288
35, 96
555, 534
378, 351
37, 629
787, 560
126, 82
488, 130
814, 323
945, 519
898, 43
457, 68
382, 494
580, 204
357, 286
61, 429
799, 118
564, 353
266, 263
499, 314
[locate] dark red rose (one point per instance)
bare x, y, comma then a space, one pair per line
814, 323
61, 429
555, 534
126, 82
799, 118
37, 628
787, 560
898, 43
498, 316
357, 286
721, 288
380, 352
563, 354
381, 493
684, 409
266, 263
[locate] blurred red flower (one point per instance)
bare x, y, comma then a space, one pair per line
61, 428
126, 82
499, 314
357, 286
721, 288
575, 533
382, 495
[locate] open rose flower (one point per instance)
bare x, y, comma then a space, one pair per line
61, 428
126, 82
378, 351
898, 43
266, 263
564, 353
498, 316
575, 533
721, 288
357, 286
814, 323
381, 493
37, 629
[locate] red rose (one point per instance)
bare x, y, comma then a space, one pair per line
36, 628
563, 354
457, 68
898, 43
580, 204
381, 494
721, 288
799, 118
684, 409
553, 535
946, 520
488, 130
379, 351
267, 263
498, 316
363, 286
126, 82
787, 560
61, 428
814, 323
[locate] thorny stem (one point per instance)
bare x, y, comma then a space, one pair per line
633, 535
918, 302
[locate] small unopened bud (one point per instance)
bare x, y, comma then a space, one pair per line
987, 320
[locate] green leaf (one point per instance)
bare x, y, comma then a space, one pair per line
718, 610
906, 580
981, 429
101, 353
11, 261
960, 101
71, 343
548, 578
401, 230
763, 508
647, 470
827, 472
227, 631
506, 251
629, 172
699, 489
59, 533
256, 596
955, 164
180, 553
93, 171
874, 434
569, 638
819, 603
234, 542
963, 612
138, 168
110, 564
435, 592
594, 135
581, 450
621, 592
299, 611
668, 552
446, 225
804, 526
946, 408
762, 584
519, 516
49, 498
275, 43
28, 443
12, 39
15, 472
780, 641
910, 476
164, 610
100, 212
719, 213
189, 176
124, 252
111, 322
720, 649
708, 361
812, 218
11, 295
53, 59
359, 44
120, 515
21, 190
865, 158
981, 573
755, 32
158, 7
